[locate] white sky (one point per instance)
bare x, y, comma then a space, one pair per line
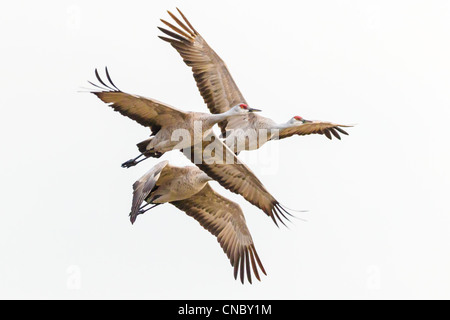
379, 216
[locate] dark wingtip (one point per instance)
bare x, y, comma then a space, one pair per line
132, 218
342, 131
173, 35
97, 86
274, 220
255, 254
187, 21
285, 210
109, 79
280, 213
97, 75
335, 134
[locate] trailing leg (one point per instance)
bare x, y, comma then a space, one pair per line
133, 162
142, 211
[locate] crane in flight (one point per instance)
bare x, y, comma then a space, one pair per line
168, 124
220, 93
210, 154
187, 188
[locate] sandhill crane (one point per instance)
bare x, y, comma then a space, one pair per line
210, 154
220, 92
163, 120
187, 189
245, 137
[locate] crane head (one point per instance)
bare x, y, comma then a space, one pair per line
298, 120
242, 108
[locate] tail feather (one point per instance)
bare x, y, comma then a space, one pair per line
142, 146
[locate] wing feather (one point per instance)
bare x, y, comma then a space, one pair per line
225, 220
222, 165
144, 186
147, 112
315, 127
213, 79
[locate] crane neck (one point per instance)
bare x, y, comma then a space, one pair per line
219, 117
216, 118
281, 126
204, 177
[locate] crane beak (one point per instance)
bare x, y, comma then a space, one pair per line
254, 110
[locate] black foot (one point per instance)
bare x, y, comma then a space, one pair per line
157, 155
129, 163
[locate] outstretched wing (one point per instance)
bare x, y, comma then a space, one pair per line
147, 112
315, 127
225, 220
214, 81
214, 158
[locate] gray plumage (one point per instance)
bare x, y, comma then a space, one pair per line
187, 189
